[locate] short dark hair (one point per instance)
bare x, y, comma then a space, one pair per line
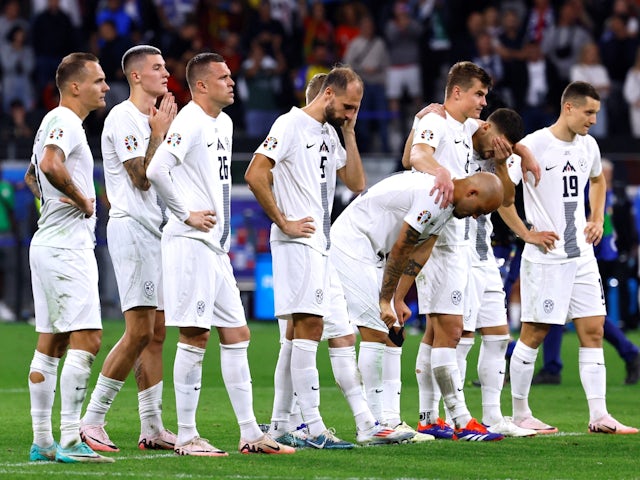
463, 74
509, 123
72, 66
577, 92
196, 65
135, 53
339, 77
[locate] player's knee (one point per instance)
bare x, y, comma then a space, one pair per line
36, 377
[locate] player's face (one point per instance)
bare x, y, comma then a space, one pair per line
475, 205
487, 150
344, 106
220, 84
93, 87
581, 117
154, 75
474, 99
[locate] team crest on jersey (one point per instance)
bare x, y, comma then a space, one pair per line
270, 143
56, 134
510, 161
582, 163
149, 288
227, 143
200, 308
427, 135
456, 297
319, 296
333, 145
548, 305
131, 143
174, 139
568, 167
424, 216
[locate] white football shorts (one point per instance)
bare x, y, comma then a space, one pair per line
486, 299
65, 289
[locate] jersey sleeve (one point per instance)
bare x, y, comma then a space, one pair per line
63, 134
181, 137
279, 141
423, 210
430, 130
514, 169
127, 138
594, 153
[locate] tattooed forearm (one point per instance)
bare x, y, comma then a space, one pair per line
392, 274
413, 268
154, 143
411, 236
31, 181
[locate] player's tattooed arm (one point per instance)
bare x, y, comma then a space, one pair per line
53, 167
413, 268
395, 266
31, 180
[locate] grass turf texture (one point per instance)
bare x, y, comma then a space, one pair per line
571, 454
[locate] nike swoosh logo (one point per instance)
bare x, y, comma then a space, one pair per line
197, 388
459, 389
309, 146
315, 388
379, 390
550, 168
209, 144
457, 141
500, 372
81, 388
526, 363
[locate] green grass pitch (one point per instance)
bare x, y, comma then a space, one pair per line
571, 454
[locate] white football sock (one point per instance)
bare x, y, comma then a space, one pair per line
462, 352
491, 371
445, 370
523, 363
283, 391
42, 396
101, 399
306, 383
392, 385
74, 380
345, 371
593, 375
428, 390
187, 382
370, 365
150, 410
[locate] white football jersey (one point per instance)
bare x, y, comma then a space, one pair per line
480, 229
453, 147
368, 228
126, 136
307, 155
558, 202
202, 146
62, 225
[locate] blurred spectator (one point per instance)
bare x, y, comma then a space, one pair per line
53, 36
510, 47
402, 33
18, 63
217, 19
367, 54
464, 45
115, 11
628, 10
17, 127
172, 15
230, 49
184, 40
487, 58
11, 17
320, 62
563, 41
617, 50
590, 69
177, 81
112, 48
317, 29
539, 20
544, 89
491, 20
631, 91
347, 25
436, 48
269, 32
259, 89
70, 7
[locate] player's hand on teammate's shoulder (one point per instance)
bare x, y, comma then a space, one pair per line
436, 108
202, 220
444, 186
302, 228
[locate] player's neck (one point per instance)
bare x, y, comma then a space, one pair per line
449, 107
75, 106
316, 111
142, 100
562, 132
